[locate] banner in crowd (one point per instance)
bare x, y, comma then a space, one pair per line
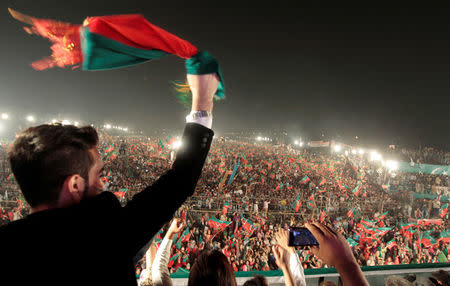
320, 143
431, 197
423, 168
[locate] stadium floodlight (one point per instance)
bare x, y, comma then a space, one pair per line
5, 116
108, 126
125, 129
177, 144
30, 118
65, 122
296, 142
374, 156
346, 152
361, 151
391, 165
76, 123
337, 148
54, 121
353, 151
301, 144
259, 138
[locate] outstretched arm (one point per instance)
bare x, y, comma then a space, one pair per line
158, 203
160, 271
334, 250
295, 267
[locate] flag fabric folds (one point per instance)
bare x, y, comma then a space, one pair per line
108, 42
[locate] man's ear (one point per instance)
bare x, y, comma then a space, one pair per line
72, 191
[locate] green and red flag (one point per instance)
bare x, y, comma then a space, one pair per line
382, 216
443, 211
217, 224
107, 42
172, 260
323, 181
247, 225
351, 242
305, 179
297, 203
311, 202
357, 190
351, 213
405, 226
429, 221
121, 193
225, 208
160, 145
323, 214
392, 243
341, 185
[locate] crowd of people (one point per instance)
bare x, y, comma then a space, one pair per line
248, 191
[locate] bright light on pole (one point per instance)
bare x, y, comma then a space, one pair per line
301, 144
76, 123
346, 153
108, 126
353, 151
391, 165
361, 151
65, 122
296, 142
30, 118
177, 144
5, 116
374, 156
337, 148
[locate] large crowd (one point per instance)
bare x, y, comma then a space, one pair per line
248, 191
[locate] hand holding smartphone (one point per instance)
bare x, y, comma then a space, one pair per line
301, 236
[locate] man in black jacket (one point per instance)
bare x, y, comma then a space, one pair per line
77, 234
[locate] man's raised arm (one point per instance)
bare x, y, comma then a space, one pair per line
145, 214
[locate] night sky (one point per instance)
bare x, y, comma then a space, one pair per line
381, 72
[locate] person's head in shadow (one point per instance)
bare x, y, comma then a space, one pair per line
257, 280
211, 268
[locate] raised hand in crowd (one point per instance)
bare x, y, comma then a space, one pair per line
334, 250
294, 264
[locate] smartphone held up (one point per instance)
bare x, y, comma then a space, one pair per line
301, 236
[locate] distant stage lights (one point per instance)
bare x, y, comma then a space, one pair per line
30, 118
5, 116
391, 165
337, 148
361, 151
353, 151
65, 122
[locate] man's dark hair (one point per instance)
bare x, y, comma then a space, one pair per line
257, 280
42, 157
211, 268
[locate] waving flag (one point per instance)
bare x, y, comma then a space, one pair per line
298, 203
382, 216
225, 208
217, 224
311, 202
247, 225
107, 42
357, 190
351, 242
443, 210
305, 180
323, 181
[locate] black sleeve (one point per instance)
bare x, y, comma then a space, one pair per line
150, 209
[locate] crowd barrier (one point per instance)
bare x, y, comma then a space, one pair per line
376, 275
